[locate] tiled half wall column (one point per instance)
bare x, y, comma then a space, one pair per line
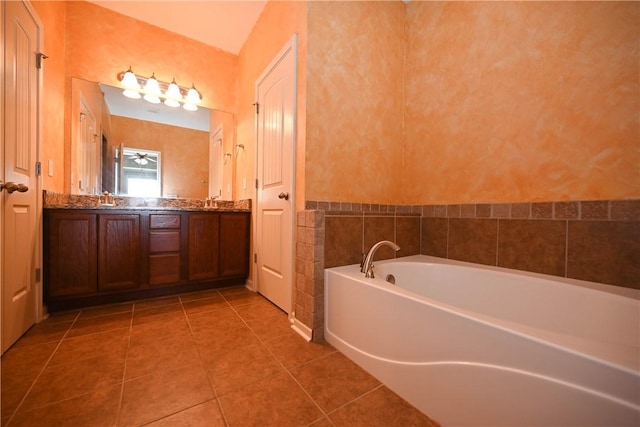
332, 234
597, 241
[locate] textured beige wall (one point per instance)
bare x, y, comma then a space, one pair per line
521, 101
53, 15
355, 101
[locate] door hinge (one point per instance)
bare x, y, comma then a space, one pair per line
257, 107
39, 57
256, 183
38, 168
38, 272
255, 258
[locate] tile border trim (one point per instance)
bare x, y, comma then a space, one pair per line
600, 210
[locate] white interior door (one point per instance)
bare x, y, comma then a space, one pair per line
20, 183
275, 94
215, 163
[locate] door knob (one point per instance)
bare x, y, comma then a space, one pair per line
12, 186
284, 196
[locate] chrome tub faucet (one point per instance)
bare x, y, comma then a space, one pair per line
367, 265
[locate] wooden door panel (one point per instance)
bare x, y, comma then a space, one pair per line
203, 246
164, 268
118, 251
234, 245
72, 254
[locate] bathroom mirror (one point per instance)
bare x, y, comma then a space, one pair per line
182, 139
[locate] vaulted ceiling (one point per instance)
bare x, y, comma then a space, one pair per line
222, 24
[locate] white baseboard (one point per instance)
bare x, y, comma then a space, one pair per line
303, 330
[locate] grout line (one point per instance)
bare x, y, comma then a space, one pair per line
44, 367
124, 371
357, 398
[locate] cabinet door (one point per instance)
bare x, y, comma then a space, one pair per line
203, 246
118, 251
71, 254
234, 244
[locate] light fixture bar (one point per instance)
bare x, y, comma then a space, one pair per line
156, 91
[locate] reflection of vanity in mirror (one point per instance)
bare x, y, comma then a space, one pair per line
131, 147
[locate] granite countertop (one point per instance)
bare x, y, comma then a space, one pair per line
72, 201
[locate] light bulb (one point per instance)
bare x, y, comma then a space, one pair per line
151, 98
190, 107
153, 90
129, 93
129, 80
173, 94
193, 96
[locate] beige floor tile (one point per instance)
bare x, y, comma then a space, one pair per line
323, 422
258, 310
199, 295
92, 325
270, 327
211, 303
66, 381
159, 329
91, 345
276, 401
382, 408
334, 380
156, 302
212, 342
213, 322
106, 309
63, 316
44, 332
161, 354
154, 314
205, 414
240, 296
241, 366
97, 408
163, 393
20, 367
293, 351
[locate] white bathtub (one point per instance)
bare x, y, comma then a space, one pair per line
471, 345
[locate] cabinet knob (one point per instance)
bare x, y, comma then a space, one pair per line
283, 195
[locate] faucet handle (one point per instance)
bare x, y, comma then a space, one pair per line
364, 257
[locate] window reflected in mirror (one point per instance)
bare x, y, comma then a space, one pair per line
140, 172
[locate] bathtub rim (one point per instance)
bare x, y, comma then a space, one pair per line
601, 287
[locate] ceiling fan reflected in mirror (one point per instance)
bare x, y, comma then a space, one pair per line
142, 159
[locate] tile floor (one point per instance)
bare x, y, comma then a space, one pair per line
217, 358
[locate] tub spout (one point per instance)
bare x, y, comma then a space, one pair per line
367, 265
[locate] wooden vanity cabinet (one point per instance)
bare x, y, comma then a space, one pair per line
102, 256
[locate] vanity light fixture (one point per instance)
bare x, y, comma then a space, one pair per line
155, 91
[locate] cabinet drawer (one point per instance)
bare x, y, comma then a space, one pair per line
164, 241
164, 221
